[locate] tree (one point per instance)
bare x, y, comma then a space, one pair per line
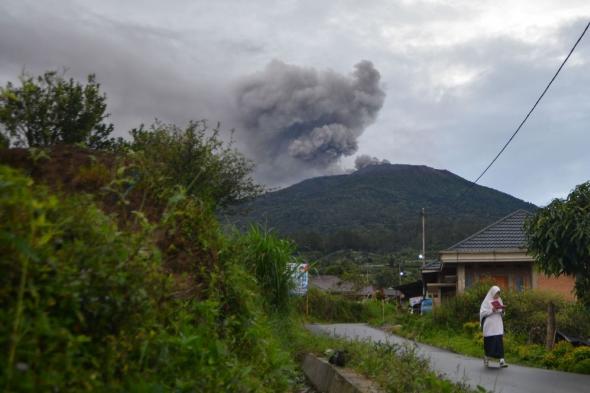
4, 142
47, 110
196, 159
559, 238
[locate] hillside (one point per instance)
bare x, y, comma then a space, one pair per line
378, 208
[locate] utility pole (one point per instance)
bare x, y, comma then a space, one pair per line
423, 236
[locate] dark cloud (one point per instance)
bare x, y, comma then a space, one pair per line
460, 76
294, 116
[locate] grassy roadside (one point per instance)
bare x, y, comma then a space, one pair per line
396, 369
454, 327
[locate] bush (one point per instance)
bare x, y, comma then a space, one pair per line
74, 289
462, 308
574, 318
526, 314
552, 359
583, 367
333, 308
195, 159
268, 258
87, 306
471, 327
531, 352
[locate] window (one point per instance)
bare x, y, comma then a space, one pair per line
468, 280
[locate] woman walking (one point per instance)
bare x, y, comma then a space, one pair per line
490, 318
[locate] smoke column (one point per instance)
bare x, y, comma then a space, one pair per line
298, 121
364, 160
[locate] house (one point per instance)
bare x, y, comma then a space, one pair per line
499, 252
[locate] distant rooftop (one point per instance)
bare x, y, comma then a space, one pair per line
432, 266
506, 233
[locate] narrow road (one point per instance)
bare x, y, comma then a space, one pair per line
469, 370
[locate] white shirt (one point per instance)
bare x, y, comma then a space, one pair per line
493, 324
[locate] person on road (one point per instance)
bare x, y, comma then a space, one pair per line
490, 318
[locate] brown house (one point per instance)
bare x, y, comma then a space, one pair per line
497, 252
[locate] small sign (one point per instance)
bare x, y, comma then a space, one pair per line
300, 277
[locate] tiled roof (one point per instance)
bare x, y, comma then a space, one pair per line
432, 265
506, 233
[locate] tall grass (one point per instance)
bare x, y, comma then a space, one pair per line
267, 256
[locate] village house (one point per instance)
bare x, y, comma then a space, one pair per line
497, 252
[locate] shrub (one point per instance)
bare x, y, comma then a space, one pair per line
327, 307
555, 357
581, 353
531, 352
86, 306
574, 318
471, 327
195, 159
74, 289
268, 258
583, 367
95, 175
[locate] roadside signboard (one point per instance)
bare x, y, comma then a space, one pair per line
300, 277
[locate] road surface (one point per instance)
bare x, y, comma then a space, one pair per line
469, 370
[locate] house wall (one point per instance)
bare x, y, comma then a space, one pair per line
563, 285
516, 276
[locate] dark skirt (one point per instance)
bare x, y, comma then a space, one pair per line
494, 346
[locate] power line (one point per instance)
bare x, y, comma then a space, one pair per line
529, 113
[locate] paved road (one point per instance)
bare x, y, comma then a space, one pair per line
459, 368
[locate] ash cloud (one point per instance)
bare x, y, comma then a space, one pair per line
365, 160
297, 119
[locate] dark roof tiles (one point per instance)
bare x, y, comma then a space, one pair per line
506, 233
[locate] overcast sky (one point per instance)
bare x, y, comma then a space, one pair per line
311, 85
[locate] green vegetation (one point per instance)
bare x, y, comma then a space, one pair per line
319, 306
558, 238
89, 304
396, 369
116, 275
455, 325
195, 158
377, 209
267, 257
47, 110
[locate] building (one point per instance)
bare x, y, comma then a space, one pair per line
498, 252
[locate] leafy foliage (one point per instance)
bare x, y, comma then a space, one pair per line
455, 325
74, 287
393, 367
4, 142
268, 257
87, 305
558, 236
47, 110
378, 209
196, 159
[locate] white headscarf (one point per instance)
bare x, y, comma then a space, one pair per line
486, 306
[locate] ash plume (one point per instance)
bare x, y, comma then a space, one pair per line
364, 160
301, 121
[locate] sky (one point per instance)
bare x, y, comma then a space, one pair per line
310, 87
